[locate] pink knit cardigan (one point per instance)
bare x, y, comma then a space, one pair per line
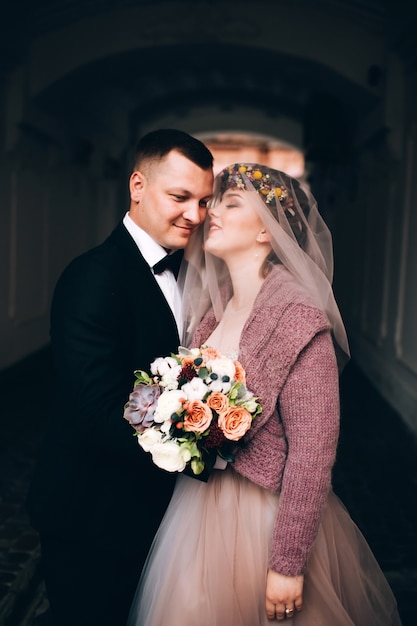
287, 352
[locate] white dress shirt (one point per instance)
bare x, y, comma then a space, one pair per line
152, 252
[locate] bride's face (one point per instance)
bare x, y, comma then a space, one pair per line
235, 228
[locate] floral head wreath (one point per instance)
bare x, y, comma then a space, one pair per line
234, 175
268, 183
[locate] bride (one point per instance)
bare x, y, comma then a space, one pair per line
265, 538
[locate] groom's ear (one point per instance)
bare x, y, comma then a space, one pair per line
136, 185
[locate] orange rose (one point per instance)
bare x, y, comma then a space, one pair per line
209, 354
187, 360
235, 422
240, 375
218, 402
197, 417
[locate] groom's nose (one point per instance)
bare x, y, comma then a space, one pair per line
194, 212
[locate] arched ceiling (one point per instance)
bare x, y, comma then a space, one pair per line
180, 77
34, 19
142, 80
24, 21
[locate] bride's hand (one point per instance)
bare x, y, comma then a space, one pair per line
284, 595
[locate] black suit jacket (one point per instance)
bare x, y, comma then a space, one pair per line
93, 482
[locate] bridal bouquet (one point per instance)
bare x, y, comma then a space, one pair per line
193, 406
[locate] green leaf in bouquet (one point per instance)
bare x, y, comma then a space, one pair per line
182, 351
240, 390
258, 410
142, 377
195, 451
197, 466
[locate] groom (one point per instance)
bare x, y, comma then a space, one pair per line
96, 497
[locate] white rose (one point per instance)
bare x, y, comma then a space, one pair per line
222, 367
222, 374
168, 456
169, 402
165, 427
218, 386
149, 438
195, 389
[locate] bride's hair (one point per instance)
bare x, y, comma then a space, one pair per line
272, 186
299, 238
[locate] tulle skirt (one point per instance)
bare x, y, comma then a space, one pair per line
208, 562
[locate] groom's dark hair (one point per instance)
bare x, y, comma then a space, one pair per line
158, 143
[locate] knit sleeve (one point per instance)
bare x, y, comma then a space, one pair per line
309, 409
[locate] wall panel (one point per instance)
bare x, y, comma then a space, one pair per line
406, 327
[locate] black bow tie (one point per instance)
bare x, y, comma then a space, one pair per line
169, 262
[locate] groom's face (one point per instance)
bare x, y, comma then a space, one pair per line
169, 199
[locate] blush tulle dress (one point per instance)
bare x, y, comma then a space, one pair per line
207, 565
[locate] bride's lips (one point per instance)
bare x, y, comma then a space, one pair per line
213, 226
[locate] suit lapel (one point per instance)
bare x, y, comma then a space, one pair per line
152, 314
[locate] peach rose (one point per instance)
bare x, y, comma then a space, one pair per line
240, 375
210, 354
235, 422
218, 402
197, 416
